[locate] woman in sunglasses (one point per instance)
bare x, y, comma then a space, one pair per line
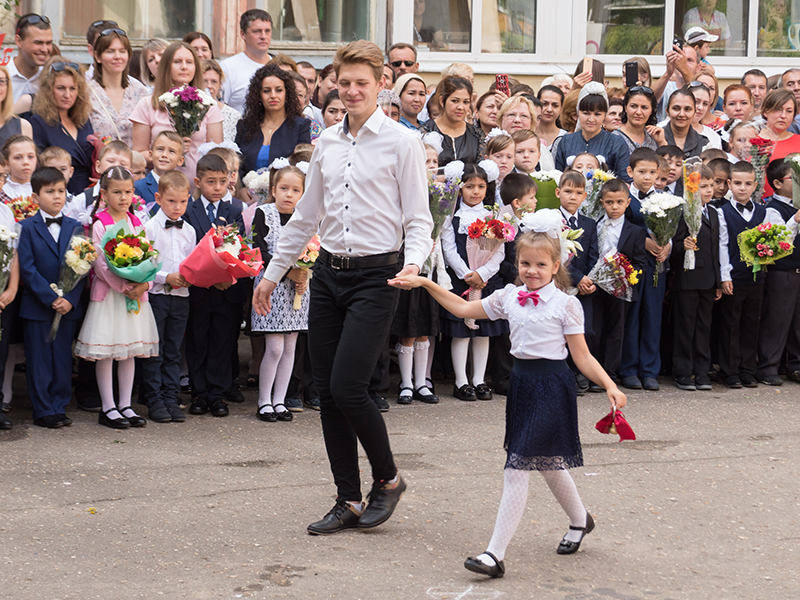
114, 95
638, 129
60, 117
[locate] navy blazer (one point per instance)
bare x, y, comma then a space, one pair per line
631, 244
40, 263
81, 150
227, 213
282, 144
147, 188
585, 260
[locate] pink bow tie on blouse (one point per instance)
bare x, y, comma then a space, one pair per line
523, 297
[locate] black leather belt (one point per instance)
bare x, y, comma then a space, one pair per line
348, 263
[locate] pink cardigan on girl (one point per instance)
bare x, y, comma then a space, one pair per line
105, 279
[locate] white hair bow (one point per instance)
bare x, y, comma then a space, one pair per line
435, 140
280, 163
303, 166
454, 170
491, 168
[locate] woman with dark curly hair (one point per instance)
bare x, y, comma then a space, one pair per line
60, 117
273, 122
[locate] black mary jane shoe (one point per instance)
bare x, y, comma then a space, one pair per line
567, 547
268, 417
466, 393
477, 566
429, 398
407, 397
285, 414
134, 419
104, 419
483, 391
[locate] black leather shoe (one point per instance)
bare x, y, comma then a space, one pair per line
134, 419
234, 395
283, 415
429, 398
483, 392
104, 419
733, 382
5, 422
773, 380
632, 382
567, 547
89, 404
582, 382
219, 408
650, 384
342, 516
407, 397
477, 566
748, 380
50, 422
175, 413
198, 407
268, 416
595, 389
381, 402
159, 413
702, 383
793, 376
64, 419
466, 392
382, 502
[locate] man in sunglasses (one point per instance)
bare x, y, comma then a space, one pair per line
403, 59
34, 40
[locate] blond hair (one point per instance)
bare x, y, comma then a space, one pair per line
173, 180
44, 103
154, 45
513, 102
543, 241
459, 70
54, 153
360, 51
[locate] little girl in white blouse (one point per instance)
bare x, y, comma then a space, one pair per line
541, 410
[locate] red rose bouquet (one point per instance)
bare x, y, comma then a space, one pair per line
222, 256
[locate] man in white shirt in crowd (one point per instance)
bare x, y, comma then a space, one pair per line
255, 28
34, 40
365, 187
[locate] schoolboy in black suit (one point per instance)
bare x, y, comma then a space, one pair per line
780, 317
571, 192
215, 312
695, 291
44, 240
615, 234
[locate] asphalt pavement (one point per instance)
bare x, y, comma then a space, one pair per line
705, 504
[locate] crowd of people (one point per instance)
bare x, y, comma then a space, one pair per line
85, 149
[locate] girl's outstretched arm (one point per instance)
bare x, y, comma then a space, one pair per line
455, 304
588, 365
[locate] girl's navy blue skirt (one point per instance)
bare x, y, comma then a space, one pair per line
542, 417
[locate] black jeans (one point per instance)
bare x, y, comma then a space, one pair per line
349, 317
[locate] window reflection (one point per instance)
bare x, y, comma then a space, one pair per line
727, 19
625, 27
141, 19
332, 21
778, 28
509, 26
442, 25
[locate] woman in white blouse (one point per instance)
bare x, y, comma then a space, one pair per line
114, 95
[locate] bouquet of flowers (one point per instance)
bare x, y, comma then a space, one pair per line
794, 162
257, 183
78, 261
8, 248
306, 261
547, 182
187, 106
442, 197
130, 256
662, 213
483, 238
764, 244
760, 152
592, 207
693, 207
551, 221
23, 207
222, 256
614, 274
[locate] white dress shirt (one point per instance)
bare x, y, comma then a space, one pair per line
608, 232
21, 84
173, 245
537, 331
773, 216
53, 228
77, 207
7, 217
362, 193
15, 190
468, 215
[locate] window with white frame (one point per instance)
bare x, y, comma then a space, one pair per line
141, 19
320, 21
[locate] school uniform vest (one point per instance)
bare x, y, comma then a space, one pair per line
740, 272
791, 262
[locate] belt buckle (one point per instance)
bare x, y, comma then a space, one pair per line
335, 262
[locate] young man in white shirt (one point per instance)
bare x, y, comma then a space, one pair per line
365, 189
34, 40
255, 28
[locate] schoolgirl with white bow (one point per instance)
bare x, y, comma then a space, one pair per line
476, 181
541, 411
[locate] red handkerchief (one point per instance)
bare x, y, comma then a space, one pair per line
615, 423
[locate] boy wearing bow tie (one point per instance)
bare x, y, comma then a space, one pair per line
44, 239
174, 239
742, 295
